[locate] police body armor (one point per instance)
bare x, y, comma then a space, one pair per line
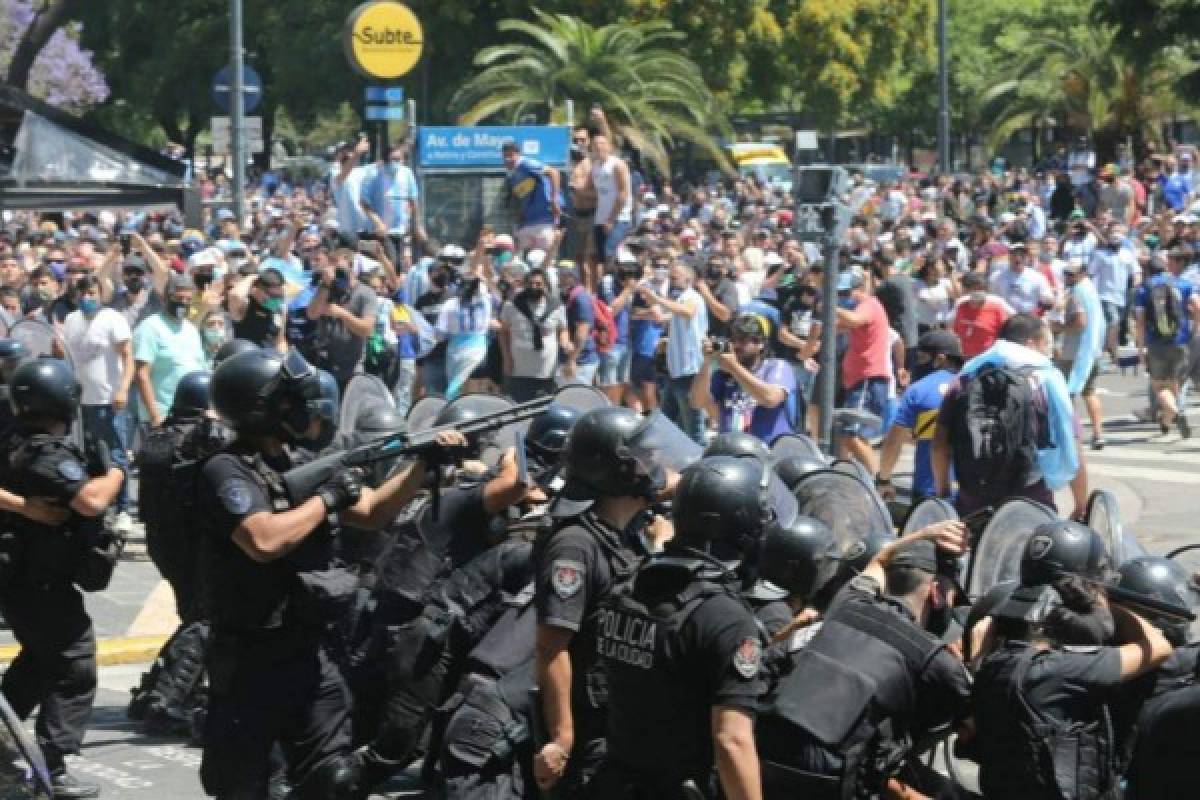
640, 640
164, 506
310, 588
1032, 755
80, 551
831, 729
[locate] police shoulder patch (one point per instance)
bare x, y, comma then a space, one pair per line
566, 578
71, 469
747, 657
235, 496
1039, 546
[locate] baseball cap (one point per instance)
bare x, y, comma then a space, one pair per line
1074, 265
751, 325
202, 258
1028, 603
940, 343
503, 242
536, 258
270, 278
688, 233
178, 283
134, 262
849, 279
919, 554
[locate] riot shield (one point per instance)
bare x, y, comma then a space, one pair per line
36, 335
857, 470
23, 773
1104, 517
850, 507
582, 398
796, 444
363, 392
423, 412
1188, 557
927, 512
997, 554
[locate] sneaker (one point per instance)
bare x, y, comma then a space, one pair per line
167, 721
1097, 443
123, 522
65, 785
1185, 427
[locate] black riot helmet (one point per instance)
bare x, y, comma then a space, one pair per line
322, 405
792, 469
738, 443
12, 353
232, 348
192, 395
721, 507
262, 393
44, 389
854, 559
376, 421
547, 434
1165, 580
457, 413
801, 557
606, 455
1060, 548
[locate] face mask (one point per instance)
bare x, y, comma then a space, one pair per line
89, 305
396, 163
134, 285
535, 294
45, 295
661, 274
219, 272
848, 303
214, 337
273, 304
176, 309
978, 297
438, 279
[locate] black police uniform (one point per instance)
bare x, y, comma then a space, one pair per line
483, 740
427, 653
576, 569
56, 667
846, 709
676, 643
271, 678
1049, 708
1165, 749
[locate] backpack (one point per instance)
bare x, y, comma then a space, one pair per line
994, 431
1166, 310
604, 324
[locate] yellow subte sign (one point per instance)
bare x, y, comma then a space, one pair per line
383, 39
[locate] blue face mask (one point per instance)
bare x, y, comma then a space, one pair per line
847, 302
89, 305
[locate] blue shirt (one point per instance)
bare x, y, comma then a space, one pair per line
579, 309
530, 185
1110, 270
918, 412
643, 333
388, 192
1176, 188
1142, 301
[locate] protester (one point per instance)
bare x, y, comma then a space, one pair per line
535, 188
687, 328
978, 315
1168, 313
1083, 333
533, 331
865, 365
166, 347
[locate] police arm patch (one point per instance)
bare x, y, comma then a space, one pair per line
71, 470
235, 496
747, 657
566, 578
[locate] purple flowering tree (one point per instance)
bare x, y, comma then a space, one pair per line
40, 52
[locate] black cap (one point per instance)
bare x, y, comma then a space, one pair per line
919, 553
270, 278
134, 262
940, 343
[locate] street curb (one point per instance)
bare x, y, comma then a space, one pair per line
109, 652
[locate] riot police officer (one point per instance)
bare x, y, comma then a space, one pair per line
792, 469
844, 715
1043, 692
277, 585
12, 353
611, 479
738, 443
681, 647
800, 558
169, 462
56, 668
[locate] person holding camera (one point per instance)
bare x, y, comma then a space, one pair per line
720, 295
743, 387
344, 311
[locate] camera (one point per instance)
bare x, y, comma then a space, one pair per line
720, 345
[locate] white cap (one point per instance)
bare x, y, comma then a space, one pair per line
202, 258
535, 258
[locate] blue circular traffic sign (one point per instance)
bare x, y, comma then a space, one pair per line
222, 87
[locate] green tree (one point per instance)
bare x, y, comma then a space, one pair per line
652, 94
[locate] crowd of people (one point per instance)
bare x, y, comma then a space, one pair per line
601, 618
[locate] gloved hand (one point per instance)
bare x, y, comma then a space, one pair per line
99, 457
342, 490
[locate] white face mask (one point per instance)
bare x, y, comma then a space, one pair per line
661, 274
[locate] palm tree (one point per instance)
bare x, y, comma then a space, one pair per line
652, 95
1059, 65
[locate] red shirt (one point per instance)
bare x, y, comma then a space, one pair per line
867, 349
978, 327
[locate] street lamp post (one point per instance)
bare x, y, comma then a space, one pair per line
943, 93
237, 110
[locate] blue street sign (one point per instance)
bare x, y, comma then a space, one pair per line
382, 113
388, 95
251, 89
480, 146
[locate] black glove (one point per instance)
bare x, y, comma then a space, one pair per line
342, 490
99, 457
